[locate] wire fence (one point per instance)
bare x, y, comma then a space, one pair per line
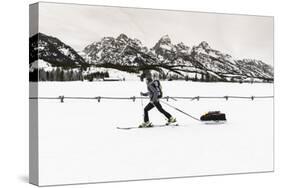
61, 98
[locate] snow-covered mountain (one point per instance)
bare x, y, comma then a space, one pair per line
164, 60
255, 68
53, 52
120, 53
174, 60
224, 66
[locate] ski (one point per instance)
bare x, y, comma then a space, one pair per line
171, 125
153, 126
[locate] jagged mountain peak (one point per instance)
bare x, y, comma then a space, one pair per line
204, 45
165, 39
121, 49
106, 39
122, 36
164, 43
182, 45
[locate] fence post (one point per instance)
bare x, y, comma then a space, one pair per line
61, 98
134, 98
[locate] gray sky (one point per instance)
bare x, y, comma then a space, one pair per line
239, 35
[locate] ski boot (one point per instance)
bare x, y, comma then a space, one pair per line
145, 125
172, 121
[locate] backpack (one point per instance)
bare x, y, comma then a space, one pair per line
158, 87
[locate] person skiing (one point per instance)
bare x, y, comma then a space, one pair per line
154, 93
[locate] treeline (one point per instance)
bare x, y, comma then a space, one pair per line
60, 74
201, 78
57, 74
96, 75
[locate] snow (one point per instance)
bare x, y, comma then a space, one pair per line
99, 54
122, 75
41, 64
114, 73
64, 51
165, 38
79, 141
166, 47
161, 58
40, 48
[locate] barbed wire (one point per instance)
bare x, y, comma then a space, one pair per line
134, 98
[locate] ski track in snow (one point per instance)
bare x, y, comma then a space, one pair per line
79, 141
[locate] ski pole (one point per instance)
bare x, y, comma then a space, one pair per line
142, 107
181, 111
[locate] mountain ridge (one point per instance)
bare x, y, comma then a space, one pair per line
53, 51
165, 59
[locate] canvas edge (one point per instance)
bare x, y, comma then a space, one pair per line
33, 106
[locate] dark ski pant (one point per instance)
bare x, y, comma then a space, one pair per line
157, 104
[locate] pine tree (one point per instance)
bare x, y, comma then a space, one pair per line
202, 78
61, 78
71, 75
195, 79
47, 76
207, 77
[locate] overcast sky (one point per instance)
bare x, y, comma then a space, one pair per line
79, 25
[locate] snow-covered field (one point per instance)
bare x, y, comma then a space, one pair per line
79, 142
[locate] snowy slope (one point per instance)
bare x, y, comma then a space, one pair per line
41, 64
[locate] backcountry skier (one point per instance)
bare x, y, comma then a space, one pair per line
154, 92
